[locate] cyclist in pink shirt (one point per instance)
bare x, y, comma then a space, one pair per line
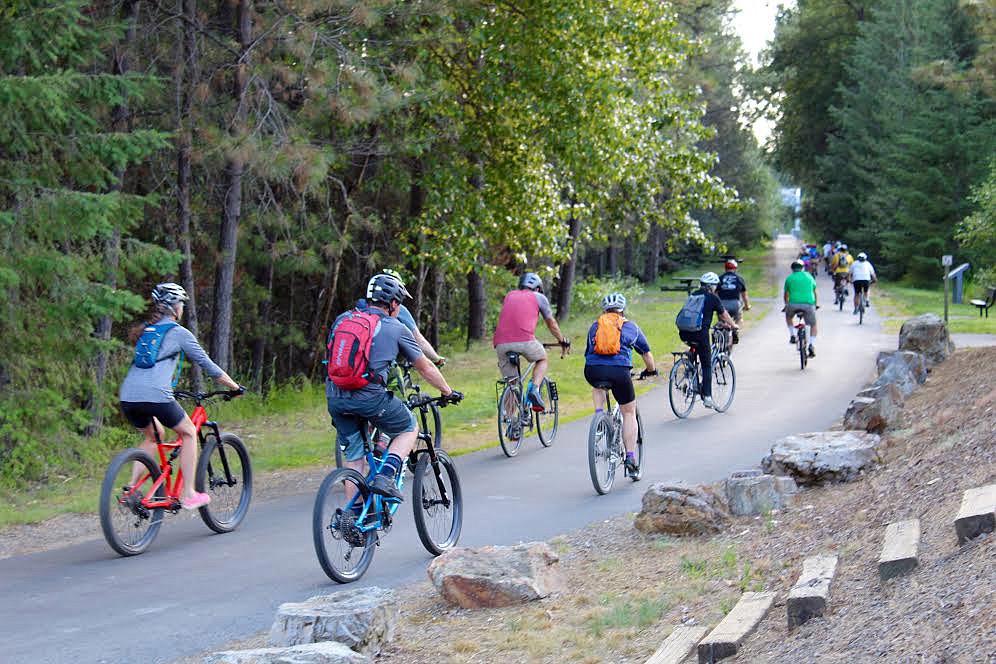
516, 332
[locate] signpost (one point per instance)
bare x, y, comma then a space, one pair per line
946, 261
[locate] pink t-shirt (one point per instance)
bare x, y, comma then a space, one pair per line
519, 316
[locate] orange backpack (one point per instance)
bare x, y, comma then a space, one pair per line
608, 335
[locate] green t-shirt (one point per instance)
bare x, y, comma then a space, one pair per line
801, 288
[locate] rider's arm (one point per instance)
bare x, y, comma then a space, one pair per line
547, 313
648, 359
743, 294
195, 353
435, 378
551, 324
426, 347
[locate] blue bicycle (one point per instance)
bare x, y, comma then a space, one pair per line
349, 519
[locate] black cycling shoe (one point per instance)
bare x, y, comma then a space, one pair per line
792, 340
631, 466
812, 352
384, 486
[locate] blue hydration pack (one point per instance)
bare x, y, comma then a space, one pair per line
689, 319
148, 345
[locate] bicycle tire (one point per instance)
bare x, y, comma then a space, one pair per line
111, 504
840, 302
600, 465
211, 479
639, 448
436, 422
802, 351
547, 431
678, 389
426, 494
861, 310
323, 530
723, 374
506, 423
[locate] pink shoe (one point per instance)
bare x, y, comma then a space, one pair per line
199, 500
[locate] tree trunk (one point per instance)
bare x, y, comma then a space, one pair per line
629, 269
221, 325
612, 253
437, 293
567, 269
263, 330
653, 253
477, 306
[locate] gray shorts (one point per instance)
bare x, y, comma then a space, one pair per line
533, 351
808, 312
734, 308
349, 409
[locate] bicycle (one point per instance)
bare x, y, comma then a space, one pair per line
684, 380
840, 294
515, 415
605, 443
799, 321
862, 305
429, 418
349, 520
131, 514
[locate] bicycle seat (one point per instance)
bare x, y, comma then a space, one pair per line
512, 356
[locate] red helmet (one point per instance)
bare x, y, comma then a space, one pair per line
731, 264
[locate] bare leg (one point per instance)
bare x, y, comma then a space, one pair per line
404, 443
188, 456
148, 446
539, 371
598, 398
630, 428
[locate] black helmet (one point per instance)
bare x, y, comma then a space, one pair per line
385, 289
798, 265
532, 281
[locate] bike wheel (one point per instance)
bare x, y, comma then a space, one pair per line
438, 523
724, 382
548, 420
803, 359
224, 472
129, 528
681, 388
510, 420
861, 311
433, 423
342, 560
601, 465
840, 302
639, 448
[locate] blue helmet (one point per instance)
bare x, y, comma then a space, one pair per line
532, 281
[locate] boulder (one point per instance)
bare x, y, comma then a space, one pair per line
928, 335
884, 391
363, 619
751, 492
326, 652
823, 456
681, 510
872, 415
495, 576
902, 368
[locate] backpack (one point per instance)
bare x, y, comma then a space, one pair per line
348, 349
148, 345
689, 319
608, 334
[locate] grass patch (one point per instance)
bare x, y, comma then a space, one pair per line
897, 303
624, 614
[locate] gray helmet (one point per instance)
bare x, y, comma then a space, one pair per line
532, 281
798, 265
614, 302
709, 279
385, 289
169, 294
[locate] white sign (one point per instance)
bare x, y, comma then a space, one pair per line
947, 260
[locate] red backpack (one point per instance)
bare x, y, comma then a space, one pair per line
348, 349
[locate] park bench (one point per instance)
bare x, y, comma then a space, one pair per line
686, 285
986, 304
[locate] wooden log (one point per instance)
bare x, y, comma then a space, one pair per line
677, 646
727, 637
977, 514
811, 593
900, 549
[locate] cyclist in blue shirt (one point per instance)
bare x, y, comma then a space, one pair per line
608, 359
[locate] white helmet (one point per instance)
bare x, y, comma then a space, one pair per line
169, 294
862, 256
614, 301
709, 279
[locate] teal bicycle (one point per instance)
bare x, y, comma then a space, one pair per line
515, 413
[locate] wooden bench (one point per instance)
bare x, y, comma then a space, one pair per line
986, 304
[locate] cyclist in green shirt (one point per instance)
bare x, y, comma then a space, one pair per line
800, 295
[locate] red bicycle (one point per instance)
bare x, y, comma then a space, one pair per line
131, 512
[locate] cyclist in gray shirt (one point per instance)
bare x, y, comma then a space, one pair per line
146, 395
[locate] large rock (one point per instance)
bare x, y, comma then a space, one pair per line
363, 619
495, 576
751, 492
928, 335
904, 369
327, 652
824, 456
884, 391
872, 415
681, 510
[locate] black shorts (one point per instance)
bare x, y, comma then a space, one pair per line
617, 377
140, 413
861, 286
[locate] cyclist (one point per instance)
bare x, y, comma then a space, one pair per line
608, 358
516, 332
841, 266
732, 292
711, 304
800, 295
374, 403
146, 394
862, 275
827, 254
406, 318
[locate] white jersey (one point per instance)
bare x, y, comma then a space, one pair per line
827, 250
862, 271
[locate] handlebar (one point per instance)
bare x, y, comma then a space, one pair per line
565, 347
198, 397
442, 401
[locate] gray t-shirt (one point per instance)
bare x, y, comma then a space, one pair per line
155, 384
391, 340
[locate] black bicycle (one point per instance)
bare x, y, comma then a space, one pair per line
684, 381
606, 450
840, 293
349, 519
801, 339
516, 415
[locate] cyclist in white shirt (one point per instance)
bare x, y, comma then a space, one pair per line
862, 275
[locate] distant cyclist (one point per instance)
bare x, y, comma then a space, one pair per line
800, 295
608, 358
708, 303
827, 254
862, 276
732, 292
406, 318
146, 394
516, 332
841, 266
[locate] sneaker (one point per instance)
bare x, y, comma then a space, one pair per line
855, 312
812, 352
792, 340
199, 500
632, 468
536, 399
708, 402
385, 486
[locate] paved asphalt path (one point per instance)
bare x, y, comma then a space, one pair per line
194, 590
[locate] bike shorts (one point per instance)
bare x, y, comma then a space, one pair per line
808, 312
533, 351
839, 277
351, 408
861, 286
140, 413
617, 377
734, 308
